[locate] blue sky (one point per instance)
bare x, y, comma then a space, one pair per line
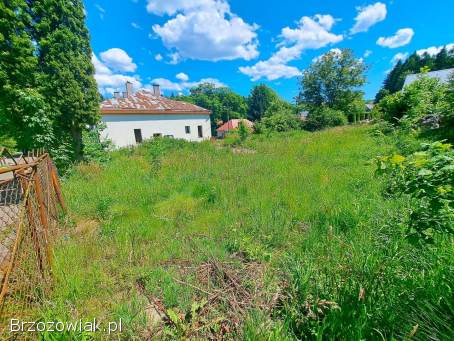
238, 43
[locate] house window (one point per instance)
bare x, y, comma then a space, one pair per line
199, 128
138, 135
187, 129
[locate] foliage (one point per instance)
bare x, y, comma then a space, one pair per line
260, 100
333, 81
324, 117
48, 94
280, 122
223, 102
427, 178
423, 105
394, 81
96, 149
243, 131
66, 73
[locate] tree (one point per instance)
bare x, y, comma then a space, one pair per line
223, 102
66, 74
324, 117
332, 81
260, 99
24, 114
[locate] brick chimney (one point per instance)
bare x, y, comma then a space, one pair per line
156, 90
129, 91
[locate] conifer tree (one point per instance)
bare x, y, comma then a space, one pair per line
66, 74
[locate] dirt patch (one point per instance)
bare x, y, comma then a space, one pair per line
242, 150
86, 227
224, 293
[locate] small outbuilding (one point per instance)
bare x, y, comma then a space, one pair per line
232, 125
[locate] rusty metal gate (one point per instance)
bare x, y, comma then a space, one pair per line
30, 205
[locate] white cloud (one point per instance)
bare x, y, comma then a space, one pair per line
204, 30
101, 11
434, 50
367, 53
399, 56
171, 7
174, 58
269, 70
108, 81
182, 77
117, 59
158, 57
401, 38
368, 16
310, 33
169, 85
136, 25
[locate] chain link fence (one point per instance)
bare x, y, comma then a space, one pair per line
30, 201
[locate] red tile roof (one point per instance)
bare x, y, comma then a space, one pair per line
145, 102
233, 124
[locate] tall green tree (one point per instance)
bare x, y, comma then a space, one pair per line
333, 81
223, 102
66, 74
259, 101
24, 114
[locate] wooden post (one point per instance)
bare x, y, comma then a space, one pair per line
42, 214
57, 188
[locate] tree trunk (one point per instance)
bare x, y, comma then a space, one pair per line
77, 143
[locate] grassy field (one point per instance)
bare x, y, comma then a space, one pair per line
287, 237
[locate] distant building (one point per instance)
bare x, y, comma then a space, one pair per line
442, 75
131, 118
302, 115
231, 125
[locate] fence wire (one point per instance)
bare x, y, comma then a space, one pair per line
30, 199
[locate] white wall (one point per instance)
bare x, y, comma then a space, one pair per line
120, 128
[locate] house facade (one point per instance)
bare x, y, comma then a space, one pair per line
134, 117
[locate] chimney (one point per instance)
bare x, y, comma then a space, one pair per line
125, 94
129, 90
117, 94
156, 90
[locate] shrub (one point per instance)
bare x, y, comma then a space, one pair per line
96, 149
278, 122
422, 104
427, 179
324, 118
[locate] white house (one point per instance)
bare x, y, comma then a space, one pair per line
134, 117
442, 75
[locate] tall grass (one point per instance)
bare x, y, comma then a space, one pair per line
305, 204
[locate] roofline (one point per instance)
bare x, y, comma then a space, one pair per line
152, 112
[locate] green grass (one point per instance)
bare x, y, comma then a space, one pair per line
305, 206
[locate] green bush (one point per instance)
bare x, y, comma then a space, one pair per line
96, 149
427, 179
278, 122
324, 118
422, 104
